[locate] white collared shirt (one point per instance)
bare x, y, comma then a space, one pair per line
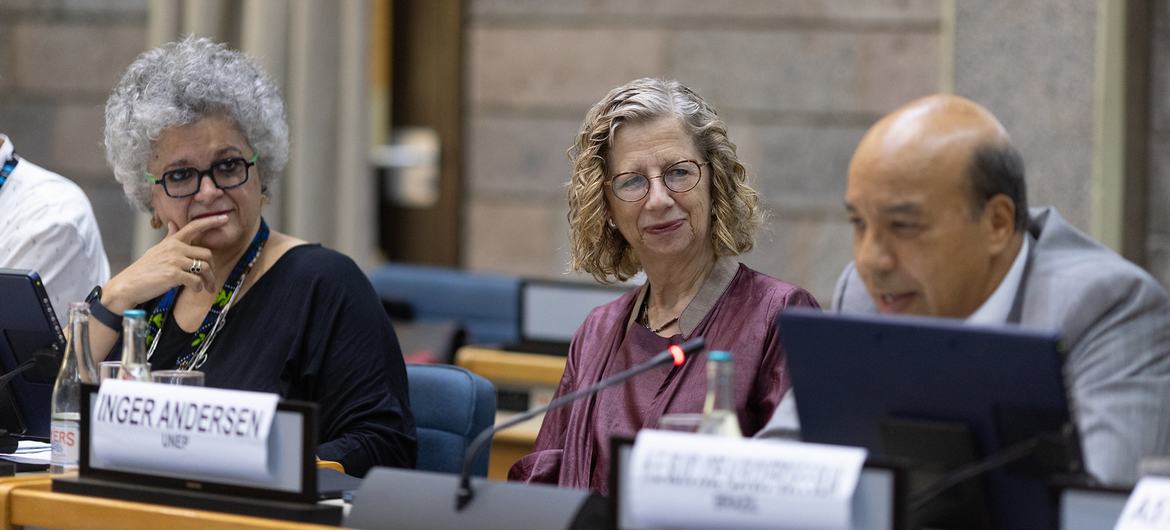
998, 306
47, 225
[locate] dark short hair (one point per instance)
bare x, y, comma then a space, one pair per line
997, 168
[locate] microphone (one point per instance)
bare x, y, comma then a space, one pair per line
676, 353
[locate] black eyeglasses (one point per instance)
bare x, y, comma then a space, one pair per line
225, 174
679, 177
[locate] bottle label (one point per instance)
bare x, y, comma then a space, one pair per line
65, 440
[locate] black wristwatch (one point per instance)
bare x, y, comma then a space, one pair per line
99, 311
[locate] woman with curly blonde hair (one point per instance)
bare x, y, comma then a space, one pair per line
657, 187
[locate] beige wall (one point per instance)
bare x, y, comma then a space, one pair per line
1033, 65
58, 61
1158, 207
797, 82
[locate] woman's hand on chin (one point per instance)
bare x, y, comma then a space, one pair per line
164, 266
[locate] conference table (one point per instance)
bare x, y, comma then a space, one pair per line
28, 500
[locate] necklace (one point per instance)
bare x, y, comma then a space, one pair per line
216, 316
644, 311
7, 168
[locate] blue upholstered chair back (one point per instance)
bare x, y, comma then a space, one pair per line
487, 305
451, 406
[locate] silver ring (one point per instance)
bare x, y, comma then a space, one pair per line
196, 266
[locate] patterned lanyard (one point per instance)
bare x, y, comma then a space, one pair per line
9, 165
215, 316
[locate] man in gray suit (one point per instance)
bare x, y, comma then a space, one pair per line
937, 201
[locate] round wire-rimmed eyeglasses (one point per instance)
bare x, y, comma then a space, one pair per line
679, 177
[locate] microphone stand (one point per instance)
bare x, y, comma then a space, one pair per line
1047, 441
676, 353
9, 442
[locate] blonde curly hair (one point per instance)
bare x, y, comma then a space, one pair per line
598, 248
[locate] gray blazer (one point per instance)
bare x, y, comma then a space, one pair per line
1115, 322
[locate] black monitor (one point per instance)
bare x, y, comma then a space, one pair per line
940, 395
28, 327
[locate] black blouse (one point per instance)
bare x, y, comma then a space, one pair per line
312, 329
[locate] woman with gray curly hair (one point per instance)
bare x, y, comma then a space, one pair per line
196, 134
657, 187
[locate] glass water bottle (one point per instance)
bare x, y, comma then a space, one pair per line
134, 365
719, 416
77, 367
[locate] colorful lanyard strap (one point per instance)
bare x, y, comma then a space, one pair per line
9, 165
212, 322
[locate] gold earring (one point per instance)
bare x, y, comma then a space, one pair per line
155, 222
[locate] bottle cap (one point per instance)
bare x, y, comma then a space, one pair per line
719, 356
134, 313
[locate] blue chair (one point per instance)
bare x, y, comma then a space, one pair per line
486, 305
451, 407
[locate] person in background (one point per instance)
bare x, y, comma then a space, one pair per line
657, 187
941, 227
196, 133
47, 226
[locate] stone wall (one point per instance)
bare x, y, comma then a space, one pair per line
1158, 207
58, 61
1032, 64
797, 83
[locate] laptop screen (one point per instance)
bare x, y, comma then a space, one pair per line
551, 311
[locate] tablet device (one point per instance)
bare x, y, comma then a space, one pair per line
333, 484
28, 326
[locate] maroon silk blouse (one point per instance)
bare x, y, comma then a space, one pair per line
735, 310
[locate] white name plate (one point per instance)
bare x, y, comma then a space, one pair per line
181, 430
681, 480
1148, 507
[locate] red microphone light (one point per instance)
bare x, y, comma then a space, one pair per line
679, 355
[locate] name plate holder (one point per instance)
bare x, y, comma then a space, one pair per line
1148, 507
290, 494
1086, 505
877, 504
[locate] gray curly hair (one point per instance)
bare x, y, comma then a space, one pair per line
178, 84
